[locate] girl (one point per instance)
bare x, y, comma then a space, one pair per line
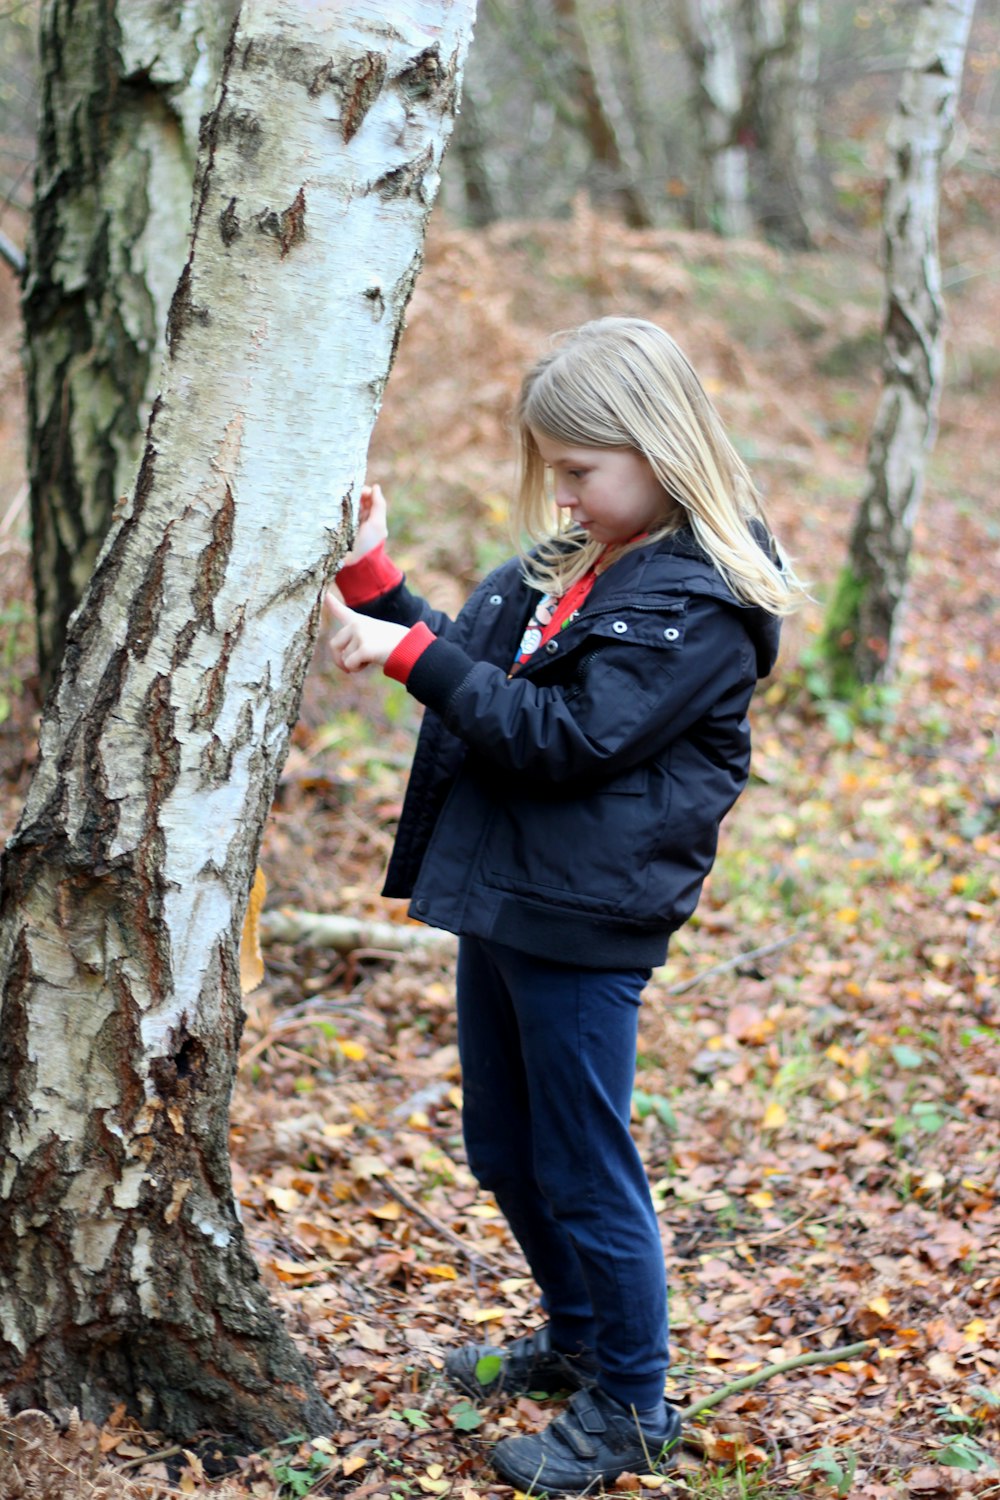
586, 733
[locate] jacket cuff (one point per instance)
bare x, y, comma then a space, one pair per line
369, 578
404, 657
438, 673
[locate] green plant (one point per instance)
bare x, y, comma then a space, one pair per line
464, 1417
416, 1418
838, 1465
966, 1452
298, 1473
646, 1104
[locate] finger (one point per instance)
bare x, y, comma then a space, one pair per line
379, 504
339, 611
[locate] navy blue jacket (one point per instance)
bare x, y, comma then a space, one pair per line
572, 810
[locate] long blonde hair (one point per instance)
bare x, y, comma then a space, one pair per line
624, 383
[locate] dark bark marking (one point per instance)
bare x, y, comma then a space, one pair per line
373, 294
289, 226
182, 648
215, 764
423, 76
405, 181
214, 560
401, 294
229, 224
358, 84
183, 312
175, 1074
244, 128
100, 822
17, 1072
144, 612
164, 751
206, 710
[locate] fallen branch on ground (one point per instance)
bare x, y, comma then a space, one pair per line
734, 963
746, 1382
348, 934
475, 1257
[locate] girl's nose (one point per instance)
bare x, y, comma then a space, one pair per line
563, 493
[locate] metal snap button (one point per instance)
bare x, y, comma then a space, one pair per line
496, 598
619, 627
551, 646
671, 633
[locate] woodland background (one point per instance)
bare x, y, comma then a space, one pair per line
817, 1098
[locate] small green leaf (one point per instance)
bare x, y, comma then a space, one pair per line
464, 1417
488, 1368
416, 1418
907, 1057
965, 1453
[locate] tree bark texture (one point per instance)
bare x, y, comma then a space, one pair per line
615, 179
124, 86
781, 113
863, 623
721, 197
124, 1273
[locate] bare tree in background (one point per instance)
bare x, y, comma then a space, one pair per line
863, 618
123, 88
124, 1272
709, 32
781, 110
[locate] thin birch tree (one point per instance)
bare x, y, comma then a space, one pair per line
862, 624
124, 1271
709, 33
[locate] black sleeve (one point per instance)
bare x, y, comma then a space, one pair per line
635, 697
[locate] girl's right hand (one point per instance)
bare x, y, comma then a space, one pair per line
373, 525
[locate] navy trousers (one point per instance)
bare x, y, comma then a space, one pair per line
548, 1064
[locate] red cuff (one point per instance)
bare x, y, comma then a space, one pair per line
369, 578
404, 657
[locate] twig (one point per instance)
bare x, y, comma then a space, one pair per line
758, 1239
819, 1357
150, 1458
472, 1256
734, 963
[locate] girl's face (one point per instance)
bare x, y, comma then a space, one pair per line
612, 493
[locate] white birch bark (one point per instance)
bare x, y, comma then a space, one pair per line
123, 1270
784, 76
864, 617
125, 85
721, 202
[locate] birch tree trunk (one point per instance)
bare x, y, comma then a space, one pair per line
124, 86
861, 628
721, 198
782, 110
616, 178
124, 1273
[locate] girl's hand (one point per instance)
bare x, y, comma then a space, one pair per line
373, 526
359, 642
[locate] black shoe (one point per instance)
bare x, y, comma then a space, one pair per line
590, 1443
526, 1364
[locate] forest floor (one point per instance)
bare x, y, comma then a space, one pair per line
818, 1090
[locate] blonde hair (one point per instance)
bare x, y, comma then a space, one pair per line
624, 383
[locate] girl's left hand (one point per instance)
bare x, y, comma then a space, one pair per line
359, 641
